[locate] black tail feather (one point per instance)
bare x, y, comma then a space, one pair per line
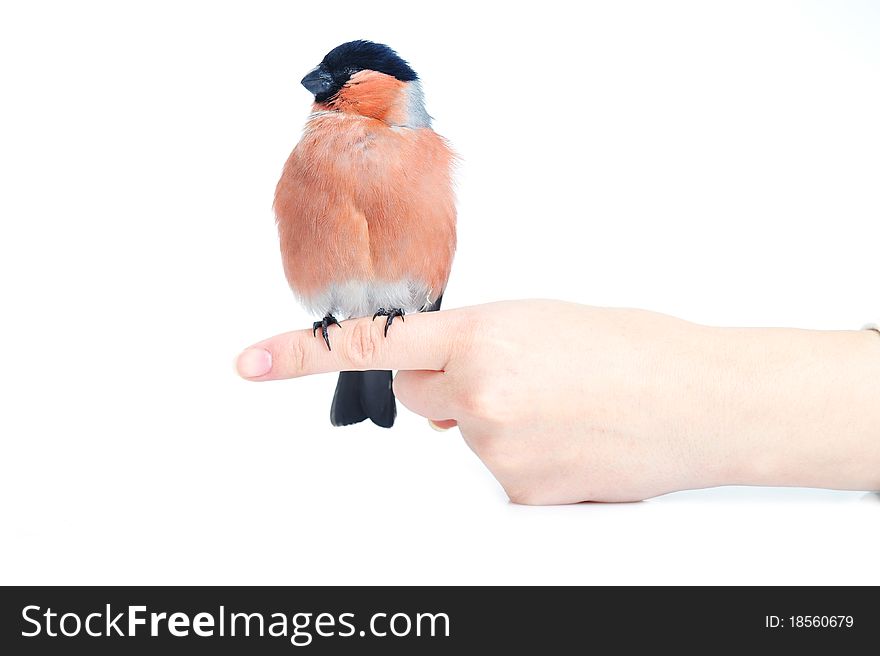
364, 395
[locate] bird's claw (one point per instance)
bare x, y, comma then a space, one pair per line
323, 324
393, 312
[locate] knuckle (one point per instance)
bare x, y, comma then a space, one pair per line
484, 402
400, 387
523, 496
466, 336
362, 344
298, 357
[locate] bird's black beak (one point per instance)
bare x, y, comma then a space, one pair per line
318, 81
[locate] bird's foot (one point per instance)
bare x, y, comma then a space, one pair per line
393, 312
323, 324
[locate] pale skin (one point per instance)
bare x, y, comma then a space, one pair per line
567, 403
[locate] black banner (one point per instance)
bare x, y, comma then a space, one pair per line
415, 620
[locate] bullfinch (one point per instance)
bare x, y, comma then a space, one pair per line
365, 208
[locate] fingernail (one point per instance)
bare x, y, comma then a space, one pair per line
437, 428
253, 363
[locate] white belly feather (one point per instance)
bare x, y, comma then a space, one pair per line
361, 298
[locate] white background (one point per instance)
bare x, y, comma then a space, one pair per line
719, 162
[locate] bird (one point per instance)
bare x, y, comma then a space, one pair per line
365, 209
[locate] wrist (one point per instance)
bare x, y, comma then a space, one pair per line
798, 407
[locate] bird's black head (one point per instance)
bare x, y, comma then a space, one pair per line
338, 65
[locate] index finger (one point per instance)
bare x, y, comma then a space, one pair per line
424, 341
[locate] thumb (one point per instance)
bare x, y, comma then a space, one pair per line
424, 341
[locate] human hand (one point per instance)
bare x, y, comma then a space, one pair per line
567, 403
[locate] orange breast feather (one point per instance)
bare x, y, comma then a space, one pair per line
361, 200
